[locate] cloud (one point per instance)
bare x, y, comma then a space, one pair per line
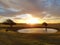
35, 7
13, 9
22, 16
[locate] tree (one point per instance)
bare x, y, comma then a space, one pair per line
9, 22
45, 26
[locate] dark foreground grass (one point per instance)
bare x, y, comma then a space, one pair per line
15, 38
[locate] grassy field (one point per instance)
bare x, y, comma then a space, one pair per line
15, 38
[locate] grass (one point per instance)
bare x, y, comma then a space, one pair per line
15, 38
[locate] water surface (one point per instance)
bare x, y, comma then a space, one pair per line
37, 30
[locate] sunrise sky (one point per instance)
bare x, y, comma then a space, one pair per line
19, 10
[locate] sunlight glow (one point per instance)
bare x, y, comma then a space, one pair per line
32, 21
29, 19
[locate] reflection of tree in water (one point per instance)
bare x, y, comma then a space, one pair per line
10, 23
45, 26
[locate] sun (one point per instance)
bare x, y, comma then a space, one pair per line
32, 21
29, 19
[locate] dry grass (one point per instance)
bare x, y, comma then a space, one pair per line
15, 38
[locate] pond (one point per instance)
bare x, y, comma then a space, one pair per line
37, 30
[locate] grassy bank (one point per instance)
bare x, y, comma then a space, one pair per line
15, 38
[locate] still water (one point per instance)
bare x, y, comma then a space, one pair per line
37, 30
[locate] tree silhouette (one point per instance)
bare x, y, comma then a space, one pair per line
9, 22
45, 26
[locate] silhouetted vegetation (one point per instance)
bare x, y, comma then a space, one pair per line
9, 22
45, 25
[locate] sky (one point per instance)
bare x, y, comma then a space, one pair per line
45, 9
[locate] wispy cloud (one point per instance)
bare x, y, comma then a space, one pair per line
35, 7
13, 9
